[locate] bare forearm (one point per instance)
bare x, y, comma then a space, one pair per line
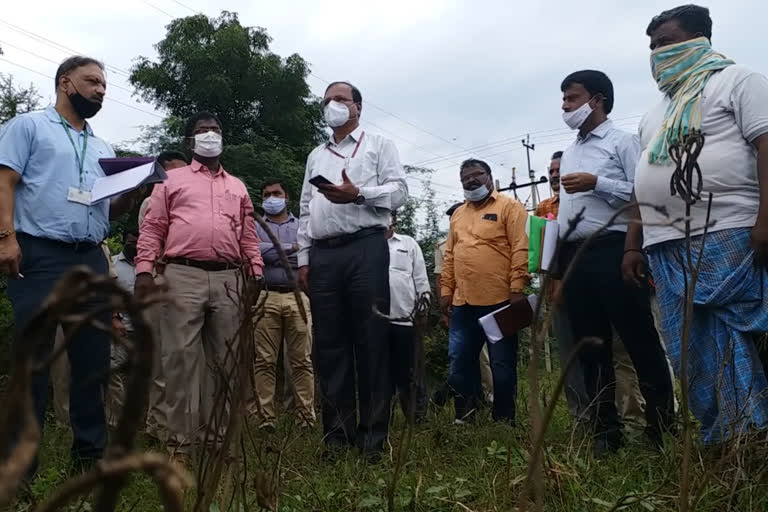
8, 181
634, 238
762, 173
121, 205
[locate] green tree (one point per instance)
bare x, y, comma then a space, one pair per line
15, 100
219, 65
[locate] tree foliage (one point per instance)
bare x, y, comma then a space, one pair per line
15, 100
219, 65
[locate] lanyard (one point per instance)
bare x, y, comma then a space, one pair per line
347, 158
80, 157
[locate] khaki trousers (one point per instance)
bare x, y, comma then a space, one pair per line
629, 400
157, 421
282, 321
198, 347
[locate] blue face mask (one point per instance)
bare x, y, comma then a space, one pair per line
274, 205
478, 194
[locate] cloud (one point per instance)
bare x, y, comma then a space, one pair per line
466, 73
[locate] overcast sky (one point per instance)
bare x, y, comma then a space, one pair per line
440, 77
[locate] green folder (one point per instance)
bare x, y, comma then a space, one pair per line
535, 239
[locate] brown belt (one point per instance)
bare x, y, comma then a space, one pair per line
209, 266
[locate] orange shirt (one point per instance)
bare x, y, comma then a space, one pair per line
551, 205
486, 256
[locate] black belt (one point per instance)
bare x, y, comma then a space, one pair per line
338, 241
80, 246
209, 266
606, 239
280, 288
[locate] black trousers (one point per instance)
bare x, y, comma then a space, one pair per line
596, 297
44, 263
351, 344
408, 371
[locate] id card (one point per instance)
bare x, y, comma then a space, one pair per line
75, 195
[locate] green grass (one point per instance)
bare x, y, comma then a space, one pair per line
476, 467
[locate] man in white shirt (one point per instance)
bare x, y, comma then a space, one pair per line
596, 175
408, 282
352, 183
706, 92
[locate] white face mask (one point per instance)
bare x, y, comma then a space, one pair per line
208, 144
478, 194
576, 118
336, 114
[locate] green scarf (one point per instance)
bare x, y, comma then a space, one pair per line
682, 70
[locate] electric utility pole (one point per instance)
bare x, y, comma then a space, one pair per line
528, 148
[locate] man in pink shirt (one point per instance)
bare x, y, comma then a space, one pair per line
200, 221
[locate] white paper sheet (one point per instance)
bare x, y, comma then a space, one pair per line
110, 186
551, 233
491, 326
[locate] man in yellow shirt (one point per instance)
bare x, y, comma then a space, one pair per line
486, 263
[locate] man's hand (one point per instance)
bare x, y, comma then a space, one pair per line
633, 268
118, 327
145, 285
759, 242
578, 182
445, 320
445, 304
345, 193
516, 297
557, 292
10, 256
304, 278
294, 249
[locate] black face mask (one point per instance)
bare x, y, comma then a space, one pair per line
84, 107
129, 251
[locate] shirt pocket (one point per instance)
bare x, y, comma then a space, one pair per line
400, 260
229, 208
486, 229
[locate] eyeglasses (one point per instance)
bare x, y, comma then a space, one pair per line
340, 99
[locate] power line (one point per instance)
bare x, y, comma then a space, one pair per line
55, 45
54, 62
158, 9
106, 98
513, 140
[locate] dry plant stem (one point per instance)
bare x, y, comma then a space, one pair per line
418, 318
283, 261
538, 440
690, 290
534, 469
157, 466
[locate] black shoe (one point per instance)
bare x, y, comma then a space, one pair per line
607, 444
372, 457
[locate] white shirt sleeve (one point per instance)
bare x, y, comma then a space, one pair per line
750, 106
303, 239
392, 190
420, 277
618, 192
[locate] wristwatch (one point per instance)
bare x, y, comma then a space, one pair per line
360, 199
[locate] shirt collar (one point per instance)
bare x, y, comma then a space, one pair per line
355, 136
600, 131
54, 117
197, 167
396, 236
291, 218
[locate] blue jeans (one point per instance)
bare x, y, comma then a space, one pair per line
44, 263
465, 342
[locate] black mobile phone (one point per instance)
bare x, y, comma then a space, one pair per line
320, 180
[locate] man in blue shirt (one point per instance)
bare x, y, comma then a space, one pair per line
49, 161
596, 175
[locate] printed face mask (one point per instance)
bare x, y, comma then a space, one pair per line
576, 118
